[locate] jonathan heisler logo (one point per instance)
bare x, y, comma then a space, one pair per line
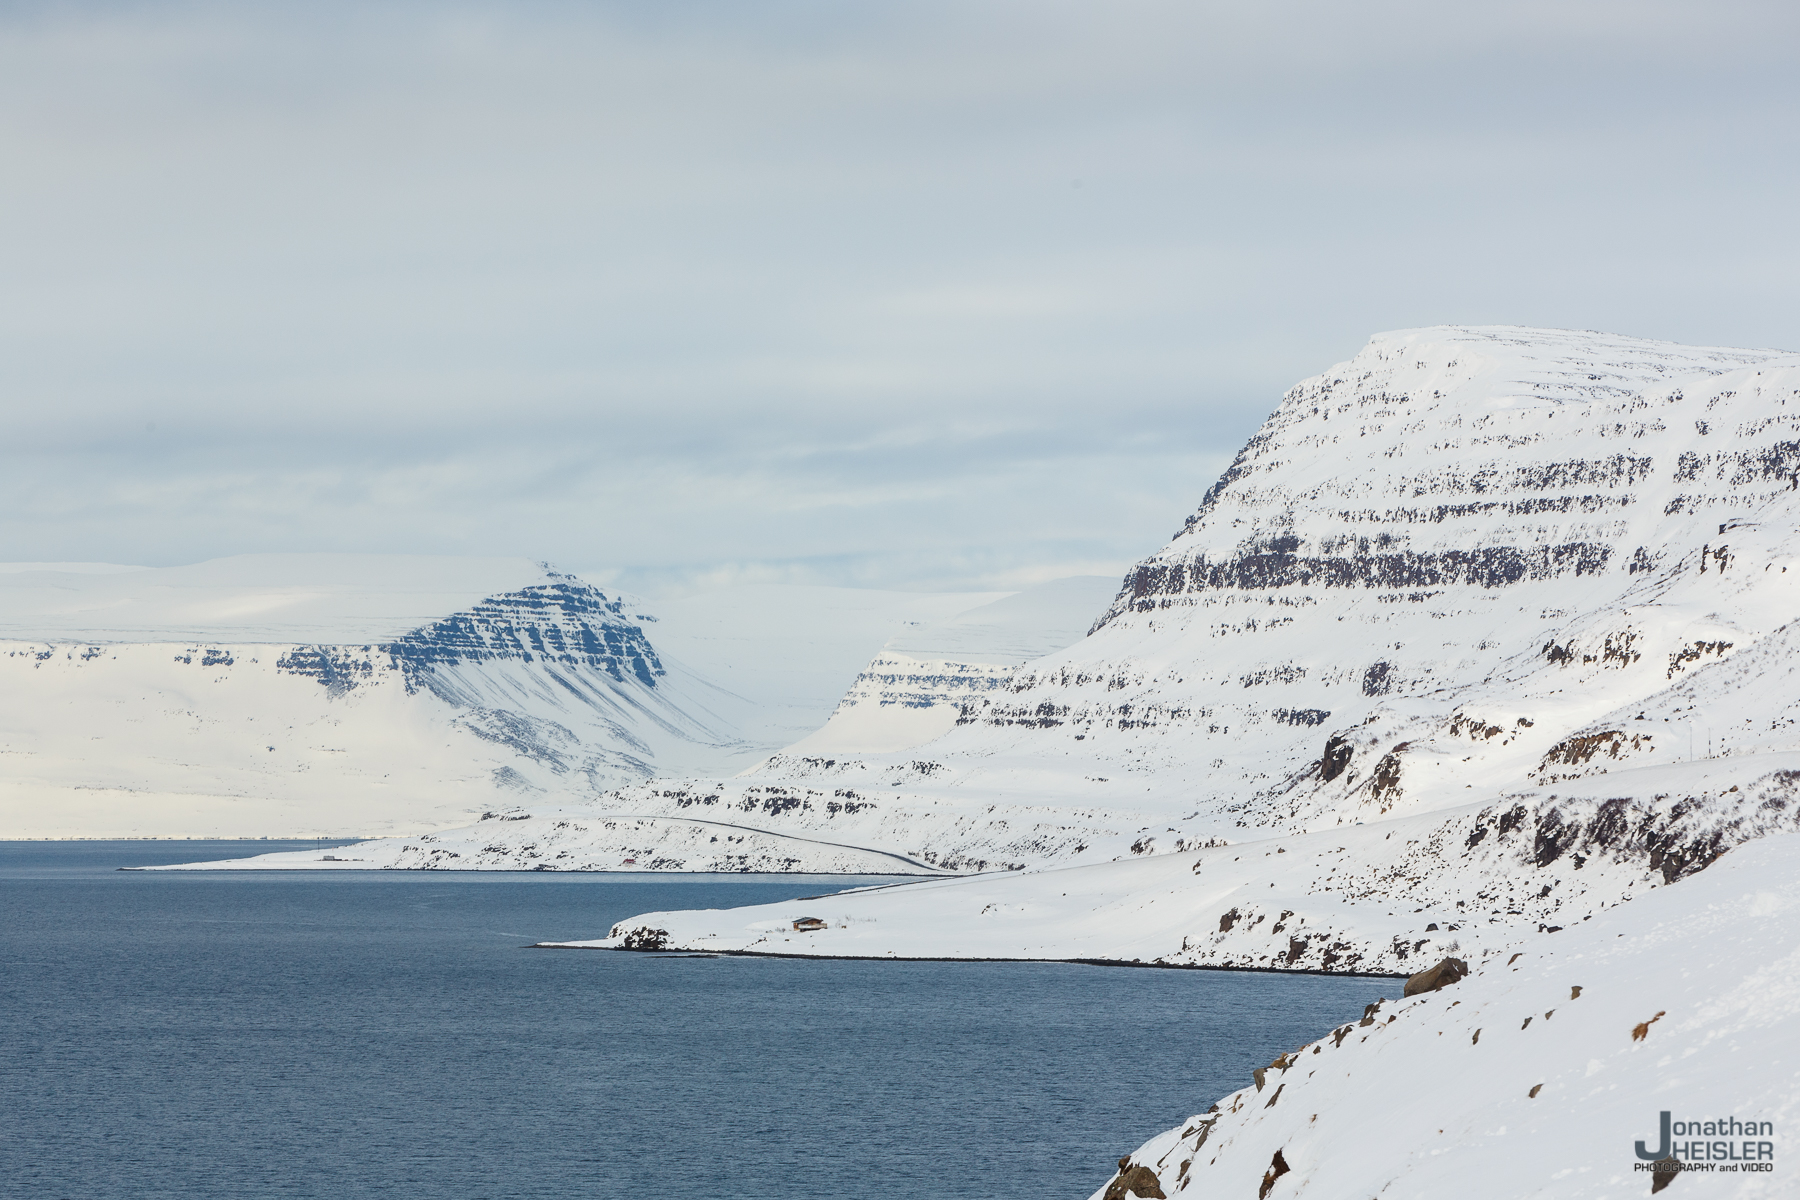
1715, 1144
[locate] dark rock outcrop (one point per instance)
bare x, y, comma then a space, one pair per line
565, 622
1444, 974
645, 938
1135, 1181
1277, 1168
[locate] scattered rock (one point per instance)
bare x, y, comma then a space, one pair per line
1134, 1181
645, 938
1663, 1172
1534, 1091
1445, 973
1277, 1168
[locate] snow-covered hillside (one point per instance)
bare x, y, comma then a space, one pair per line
337, 694
1542, 1074
916, 689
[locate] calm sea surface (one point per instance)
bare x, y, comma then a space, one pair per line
387, 1034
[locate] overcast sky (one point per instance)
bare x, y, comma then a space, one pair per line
915, 295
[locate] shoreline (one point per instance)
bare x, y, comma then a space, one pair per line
897, 958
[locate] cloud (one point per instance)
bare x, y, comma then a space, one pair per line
914, 295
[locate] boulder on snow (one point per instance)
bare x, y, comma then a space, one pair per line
1430, 980
1134, 1181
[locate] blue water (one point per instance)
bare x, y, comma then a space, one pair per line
359, 1034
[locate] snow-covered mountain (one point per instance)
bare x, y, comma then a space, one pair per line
339, 694
1514, 601
527, 682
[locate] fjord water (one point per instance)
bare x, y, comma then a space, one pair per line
357, 1034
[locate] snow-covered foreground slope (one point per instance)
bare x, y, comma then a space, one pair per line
1380, 897
310, 695
1540, 1073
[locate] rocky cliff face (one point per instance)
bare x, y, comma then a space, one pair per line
564, 622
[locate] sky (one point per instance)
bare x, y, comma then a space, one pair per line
926, 296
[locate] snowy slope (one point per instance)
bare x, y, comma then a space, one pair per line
1381, 897
1540, 1076
915, 690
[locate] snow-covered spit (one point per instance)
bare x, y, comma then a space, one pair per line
301, 695
1544, 1073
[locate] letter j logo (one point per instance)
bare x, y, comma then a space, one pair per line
1662, 1151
